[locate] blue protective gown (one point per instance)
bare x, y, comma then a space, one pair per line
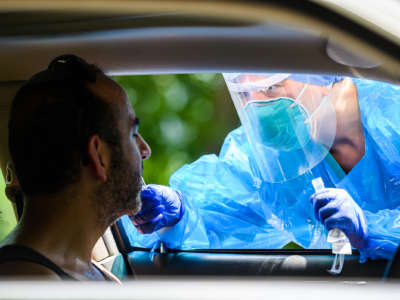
229, 207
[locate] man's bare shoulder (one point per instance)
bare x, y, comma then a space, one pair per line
26, 270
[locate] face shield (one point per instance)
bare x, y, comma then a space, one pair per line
289, 120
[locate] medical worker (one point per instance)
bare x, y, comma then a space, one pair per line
258, 194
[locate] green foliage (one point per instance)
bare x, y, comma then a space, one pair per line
7, 216
292, 245
181, 117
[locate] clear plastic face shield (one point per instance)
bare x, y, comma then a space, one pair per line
289, 120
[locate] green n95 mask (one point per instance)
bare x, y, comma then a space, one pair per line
282, 123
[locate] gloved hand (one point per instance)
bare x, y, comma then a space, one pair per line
335, 208
161, 207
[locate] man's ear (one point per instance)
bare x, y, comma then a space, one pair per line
99, 157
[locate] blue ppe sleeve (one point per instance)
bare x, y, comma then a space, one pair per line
384, 234
188, 233
227, 201
222, 205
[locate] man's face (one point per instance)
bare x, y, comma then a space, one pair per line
120, 192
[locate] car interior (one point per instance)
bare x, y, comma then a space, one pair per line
181, 37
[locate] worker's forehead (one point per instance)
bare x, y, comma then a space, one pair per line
265, 81
253, 82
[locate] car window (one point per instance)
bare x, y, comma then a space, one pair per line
230, 204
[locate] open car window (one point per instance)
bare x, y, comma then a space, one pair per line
229, 202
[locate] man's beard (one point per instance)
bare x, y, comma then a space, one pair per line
121, 193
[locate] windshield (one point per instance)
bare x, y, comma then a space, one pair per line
248, 184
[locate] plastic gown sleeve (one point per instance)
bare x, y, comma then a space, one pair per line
222, 205
382, 244
225, 192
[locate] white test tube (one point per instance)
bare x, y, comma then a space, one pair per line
338, 239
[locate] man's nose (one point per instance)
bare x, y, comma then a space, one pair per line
144, 148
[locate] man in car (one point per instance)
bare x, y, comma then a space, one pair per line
77, 153
258, 192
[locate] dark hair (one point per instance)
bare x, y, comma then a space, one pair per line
52, 117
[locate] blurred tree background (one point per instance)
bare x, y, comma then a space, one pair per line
7, 216
181, 117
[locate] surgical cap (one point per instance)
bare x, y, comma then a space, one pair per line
322, 80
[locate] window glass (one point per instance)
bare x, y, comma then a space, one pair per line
253, 188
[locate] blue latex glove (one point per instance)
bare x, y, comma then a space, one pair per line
161, 207
335, 208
